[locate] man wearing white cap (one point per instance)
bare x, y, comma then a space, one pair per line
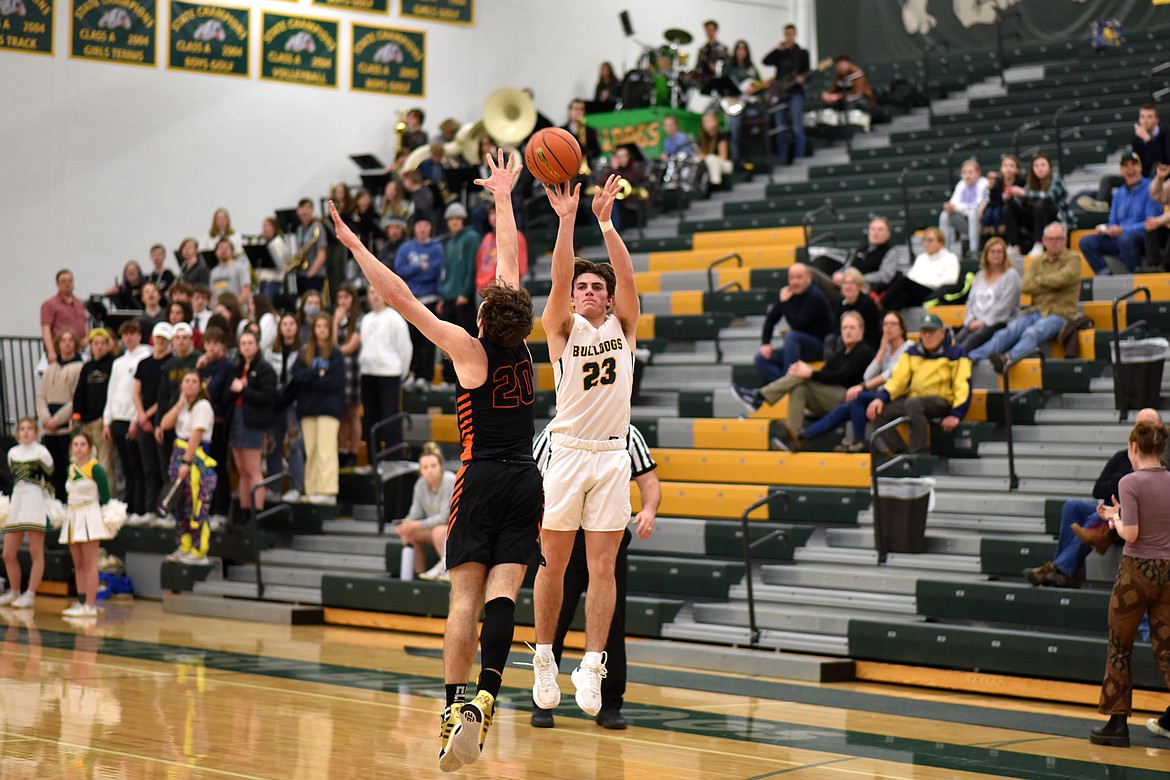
184, 358
147, 377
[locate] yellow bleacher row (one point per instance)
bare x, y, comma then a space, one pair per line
763, 248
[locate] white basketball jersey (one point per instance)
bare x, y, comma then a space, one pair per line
594, 379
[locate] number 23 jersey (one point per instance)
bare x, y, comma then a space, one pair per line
594, 380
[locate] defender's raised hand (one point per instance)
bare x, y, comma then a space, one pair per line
503, 177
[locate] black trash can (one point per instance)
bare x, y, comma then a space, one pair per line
1139, 374
900, 514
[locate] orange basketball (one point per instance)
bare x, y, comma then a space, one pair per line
553, 155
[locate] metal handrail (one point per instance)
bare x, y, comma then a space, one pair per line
810, 217
383, 423
733, 284
754, 631
380, 483
1118, 396
720, 261
1013, 480
1056, 117
874, 471
281, 508
1027, 127
1154, 71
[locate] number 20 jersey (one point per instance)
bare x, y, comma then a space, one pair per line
594, 380
497, 419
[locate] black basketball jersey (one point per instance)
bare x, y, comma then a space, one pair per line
496, 419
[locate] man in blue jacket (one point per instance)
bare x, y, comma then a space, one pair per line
1132, 214
810, 318
420, 264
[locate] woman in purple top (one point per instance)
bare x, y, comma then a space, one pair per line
1143, 581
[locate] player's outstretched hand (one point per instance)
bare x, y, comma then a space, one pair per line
503, 177
603, 197
564, 198
344, 234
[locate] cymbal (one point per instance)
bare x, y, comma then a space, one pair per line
678, 37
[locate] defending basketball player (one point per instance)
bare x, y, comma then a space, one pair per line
590, 321
497, 499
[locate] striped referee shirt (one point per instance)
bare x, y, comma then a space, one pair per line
641, 462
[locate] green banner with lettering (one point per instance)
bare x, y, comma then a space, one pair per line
27, 26
389, 61
209, 39
121, 31
299, 50
641, 127
370, 6
450, 11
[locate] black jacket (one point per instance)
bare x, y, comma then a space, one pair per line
319, 388
260, 396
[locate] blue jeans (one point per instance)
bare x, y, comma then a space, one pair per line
1129, 246
1022, 334
797, 346
1070, 551
850, 410
794, 111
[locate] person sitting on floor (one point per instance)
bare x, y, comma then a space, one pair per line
808, 314
931, 380
816, 390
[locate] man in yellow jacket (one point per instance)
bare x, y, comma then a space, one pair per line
931, 379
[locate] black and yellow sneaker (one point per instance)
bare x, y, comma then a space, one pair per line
448, 726
474, 721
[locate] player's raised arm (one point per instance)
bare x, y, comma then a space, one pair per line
452, 339
626, 305
558, 312
499, 184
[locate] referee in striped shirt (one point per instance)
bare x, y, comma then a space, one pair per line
613, 685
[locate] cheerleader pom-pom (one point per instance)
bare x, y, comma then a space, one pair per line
56, 512
114, 515
3, 509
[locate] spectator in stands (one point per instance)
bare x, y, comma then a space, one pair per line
318, 385
308, 308
54, 401
994, 297
676, 143
384, 361
485, 256
89, 398
1042, 200
394, 202
791, 63
809, 318
457, 291
714, 149
282, 356
216, 371
252, 412
1152, 147
741, 71
1053, 279
152, 310
420, 264
608, 90
127, 293
270, 281
425, 201
425, 524
586, 136
200, 307
1083, 524
395, 229
120, 418
312, 248
363, 219
936, 268
227, 306
1132, 215
627, 211
849, 81
818, 391
711, 53
192, 269
858, 396
415, 136
1143, 582
877, 260
160, 275
183, 358
59, 312
931, 380
448, 128
999, 194
191, 422
960, 214
1158, 240
855, 297
230, 275
347, 317
264, 314
432, 169
147, 377
221, 229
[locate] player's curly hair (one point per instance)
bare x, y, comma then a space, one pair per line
506, 314
604, 270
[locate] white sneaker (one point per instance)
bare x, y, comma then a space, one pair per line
321, 498
217, 522
436, 572
1155, 727
26, 600
76, 609
176, 555
163, 522
588, 678
192, 558
291, 497
88, 610
8, 597
146, 519
546, 694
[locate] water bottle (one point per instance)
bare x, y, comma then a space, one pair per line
406, 566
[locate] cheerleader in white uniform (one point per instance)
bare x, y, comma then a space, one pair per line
84, 530
31, 466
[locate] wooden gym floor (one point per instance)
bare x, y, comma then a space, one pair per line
143, 694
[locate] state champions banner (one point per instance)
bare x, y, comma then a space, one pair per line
299, 50
370, 6
26, 26
388, 61
209, 39
121, 31
450, 11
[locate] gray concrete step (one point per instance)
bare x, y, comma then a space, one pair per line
1036, 486
751, 662
247, 590
789, 618
322, 560
1089, 453
805, 643
242, 609
942, 522
348, 544
1082, 469
966, 501
941, 542
282, 575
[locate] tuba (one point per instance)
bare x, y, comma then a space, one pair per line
509, 117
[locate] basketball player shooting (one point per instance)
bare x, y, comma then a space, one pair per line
590, 321
497, 499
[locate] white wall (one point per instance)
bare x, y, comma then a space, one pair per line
99, 161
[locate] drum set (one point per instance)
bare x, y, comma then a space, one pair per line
661, 78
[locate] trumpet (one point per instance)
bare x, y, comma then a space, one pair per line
400, 127
626, 190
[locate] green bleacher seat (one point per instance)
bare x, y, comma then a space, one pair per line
1000, 602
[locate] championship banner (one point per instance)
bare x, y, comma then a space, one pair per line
299, 50
114, 31
641, 127
389, 61
450, 11
209, 39
27, 26
370, 6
